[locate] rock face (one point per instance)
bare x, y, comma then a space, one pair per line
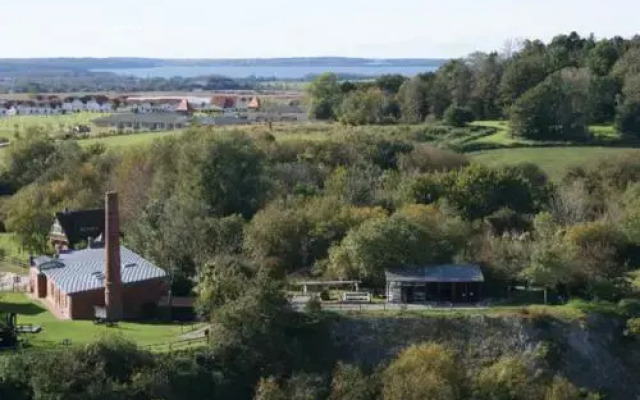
593, 354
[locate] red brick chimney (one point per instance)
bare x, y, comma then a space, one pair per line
113, 278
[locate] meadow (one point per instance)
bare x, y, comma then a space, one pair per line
9, 126
487, 142
554, 161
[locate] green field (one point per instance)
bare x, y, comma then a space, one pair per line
553, 160
507, 150
55, 331
134, 139
51, 123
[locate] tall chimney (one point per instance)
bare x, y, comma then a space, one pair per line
113, 278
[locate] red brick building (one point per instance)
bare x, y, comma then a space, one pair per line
104, 279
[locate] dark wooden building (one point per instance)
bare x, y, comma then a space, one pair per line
71, 228
452, 283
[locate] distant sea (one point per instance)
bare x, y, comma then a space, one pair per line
294, 72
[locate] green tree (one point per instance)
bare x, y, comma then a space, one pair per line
628, 64
551, 263
363, 107
628, 118
413, 98
417, 235
485, 96
29, 158
457, 77
521, 74
279, 236
601, 99
478, 191
562, 389
269, 389
550, 111
390, 83
226, 172
426, 371
350, 383
507, 379
220, 281
602, 57
458, 116
324, 96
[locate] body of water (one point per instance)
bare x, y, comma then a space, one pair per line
296, 72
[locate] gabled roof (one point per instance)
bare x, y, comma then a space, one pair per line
83, 270
82, 224
438, 273
184, 106
254, 103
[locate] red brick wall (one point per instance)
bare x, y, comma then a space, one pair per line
81, 304
37, 283
135, 296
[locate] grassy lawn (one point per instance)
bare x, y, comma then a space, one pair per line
134, 139
553, 160
55, 331
10, 249
54, 123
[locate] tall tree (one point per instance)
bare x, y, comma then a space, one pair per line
324, 96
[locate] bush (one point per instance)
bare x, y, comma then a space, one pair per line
630, 307
458, 116
633, 327
628, 118
425, 371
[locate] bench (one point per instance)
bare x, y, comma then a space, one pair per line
356, 297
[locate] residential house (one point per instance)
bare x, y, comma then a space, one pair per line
139, 122
71, 105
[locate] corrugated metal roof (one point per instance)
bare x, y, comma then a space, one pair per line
143, 118
83, 270
438, 273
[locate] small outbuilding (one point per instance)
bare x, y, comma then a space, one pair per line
421, 284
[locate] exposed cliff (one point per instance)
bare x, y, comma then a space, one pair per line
592, 353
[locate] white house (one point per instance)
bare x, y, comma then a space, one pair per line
94, 106
74, 106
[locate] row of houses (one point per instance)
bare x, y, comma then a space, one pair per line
54, 107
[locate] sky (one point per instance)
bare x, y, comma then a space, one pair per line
297, 28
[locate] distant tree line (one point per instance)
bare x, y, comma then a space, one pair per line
56, 82
549, 91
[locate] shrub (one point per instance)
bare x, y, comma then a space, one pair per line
630, 307
508, 378
458, 116
633, 327
425, 371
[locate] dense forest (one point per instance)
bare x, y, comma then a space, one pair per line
233, 214
549, 91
